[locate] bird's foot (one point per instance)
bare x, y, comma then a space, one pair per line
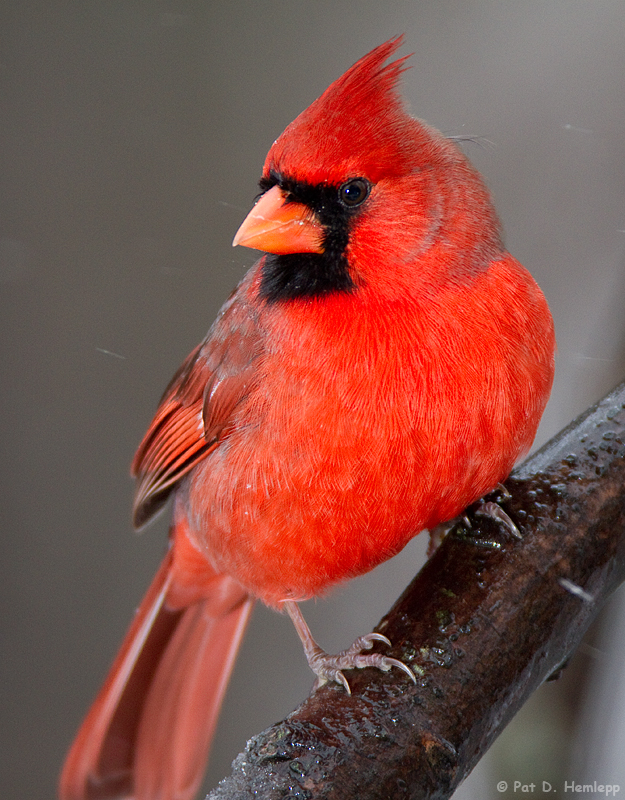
493, 511
330, 667
496, 513
482, 508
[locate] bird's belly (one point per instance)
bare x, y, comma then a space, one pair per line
292, 520
291, 507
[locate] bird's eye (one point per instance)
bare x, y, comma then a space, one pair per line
354, 192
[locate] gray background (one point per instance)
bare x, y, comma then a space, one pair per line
133, 134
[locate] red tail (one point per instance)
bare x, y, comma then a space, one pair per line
148, 732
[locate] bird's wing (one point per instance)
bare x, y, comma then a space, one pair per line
197, 407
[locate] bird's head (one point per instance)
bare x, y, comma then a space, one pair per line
357, 195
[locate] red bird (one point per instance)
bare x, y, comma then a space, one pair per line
382, 367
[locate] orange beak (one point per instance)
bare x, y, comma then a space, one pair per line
276, 226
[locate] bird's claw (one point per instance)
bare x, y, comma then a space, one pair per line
330, 667
364, 643
496, 513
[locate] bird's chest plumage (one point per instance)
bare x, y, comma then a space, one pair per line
320, 451
357, 434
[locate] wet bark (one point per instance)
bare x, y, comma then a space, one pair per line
484, 623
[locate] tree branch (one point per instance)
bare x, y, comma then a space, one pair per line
485, 622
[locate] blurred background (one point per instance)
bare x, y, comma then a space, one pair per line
132, 137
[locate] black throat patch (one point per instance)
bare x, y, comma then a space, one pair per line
286, 277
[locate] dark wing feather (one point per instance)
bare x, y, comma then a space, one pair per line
197, 407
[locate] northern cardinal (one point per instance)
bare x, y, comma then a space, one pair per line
382, 367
